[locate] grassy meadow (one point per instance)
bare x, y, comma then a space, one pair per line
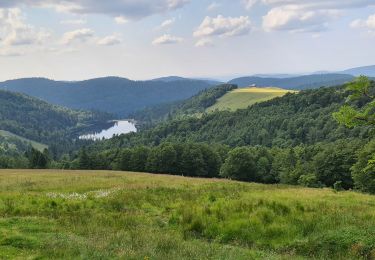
244, 97
52, 214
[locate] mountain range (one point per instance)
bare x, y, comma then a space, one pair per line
122, 97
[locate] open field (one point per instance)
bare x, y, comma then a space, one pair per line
36, 145
106, 215
244, 97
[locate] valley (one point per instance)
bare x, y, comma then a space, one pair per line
187, 130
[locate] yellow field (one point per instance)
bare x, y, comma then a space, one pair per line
245, 97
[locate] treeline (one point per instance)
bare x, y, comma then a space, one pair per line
342, 164
196, 104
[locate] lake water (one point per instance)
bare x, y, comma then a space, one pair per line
119, 127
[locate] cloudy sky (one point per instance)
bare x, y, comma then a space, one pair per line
142, 39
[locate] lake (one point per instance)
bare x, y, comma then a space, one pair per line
119, 127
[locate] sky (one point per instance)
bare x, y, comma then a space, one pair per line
144, 39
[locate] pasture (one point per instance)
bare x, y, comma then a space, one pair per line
244, 97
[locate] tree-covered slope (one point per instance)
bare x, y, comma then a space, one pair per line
295, 83
114, 95
303, 118
39, 121
191, 106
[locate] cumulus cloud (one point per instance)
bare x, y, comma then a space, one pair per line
80, 35
121, 20
205, 42
315, 4
109, 40
14, 31
249, 3
213, 6
167, 39
304, 15
291, 18
129, 9
223, 26
167, 23
368, 23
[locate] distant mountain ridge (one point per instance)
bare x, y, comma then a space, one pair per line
119, 96
365, 70
295, 83
123, 97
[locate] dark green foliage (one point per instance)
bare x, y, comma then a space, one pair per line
37, 159
304, 118
360, 106
334, 162
39, 121
364, 169
240, 165
84, 160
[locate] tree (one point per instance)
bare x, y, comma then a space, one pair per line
363, 171
84, 161
192, 161
333, 164
124, 162
138, 159
360, 107
37, 159
240, 165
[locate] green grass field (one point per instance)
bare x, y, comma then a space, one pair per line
36, 145
113, 215
245, 97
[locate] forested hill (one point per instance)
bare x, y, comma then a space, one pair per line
295, 83
191, 106
115, 95
303, 118
39, 121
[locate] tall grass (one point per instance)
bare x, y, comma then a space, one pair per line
106, 215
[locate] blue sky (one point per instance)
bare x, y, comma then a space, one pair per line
142, 39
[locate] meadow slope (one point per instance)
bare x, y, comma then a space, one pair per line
244, 97
106, 215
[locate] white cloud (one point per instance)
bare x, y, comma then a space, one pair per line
73, 22
291, 18
130, 9
14, 31
167, 23
249, 3
80, 35
223, 26
205, 42
368, 23
109, 40
121, 20
313, 4
167, 39
213, 6
304, 15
